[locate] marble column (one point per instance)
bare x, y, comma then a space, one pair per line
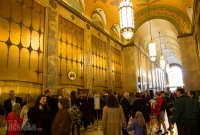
51, 56
130, 75
189, 63
88, 59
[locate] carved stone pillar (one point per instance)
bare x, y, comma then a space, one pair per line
189, 63
51, 55
88, 59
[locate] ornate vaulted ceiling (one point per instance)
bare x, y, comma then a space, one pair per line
170, 18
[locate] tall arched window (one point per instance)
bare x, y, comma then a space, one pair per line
175, 76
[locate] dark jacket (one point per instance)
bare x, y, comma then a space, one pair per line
185, 109
62, 123
140, 105
126, 107
85, 109
8, 105
53, 105
34, 114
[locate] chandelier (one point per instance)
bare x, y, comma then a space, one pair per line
152, 45
167, 65
162, 58
152, 51
126, 18
167, 68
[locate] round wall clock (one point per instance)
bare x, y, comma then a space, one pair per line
72, 75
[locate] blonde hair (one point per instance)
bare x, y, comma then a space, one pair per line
140, 118
66, 92
30, 102
90, 95
16, 109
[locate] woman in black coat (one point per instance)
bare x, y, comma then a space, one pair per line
39, 117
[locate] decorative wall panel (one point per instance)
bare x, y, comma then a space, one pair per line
70, 52
116, 67
99, 63
21, 40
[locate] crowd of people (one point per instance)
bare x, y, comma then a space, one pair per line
64, 115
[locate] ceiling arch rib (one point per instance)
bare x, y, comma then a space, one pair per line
172, 14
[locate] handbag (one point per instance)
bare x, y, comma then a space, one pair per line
28, 128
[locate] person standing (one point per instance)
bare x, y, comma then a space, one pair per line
126, 109
85, 109
140, 105
40, 116
9, 102
76, 113
63, 120
23, 115
138, 125
185, 113
192, 95
13, 120
52, 102
113, 117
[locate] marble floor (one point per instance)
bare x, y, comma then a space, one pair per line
92, 129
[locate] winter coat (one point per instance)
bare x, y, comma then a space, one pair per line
113, 120
126, 107
37, 116
138, 130
62, 122
140, 105
185, 110
158, 105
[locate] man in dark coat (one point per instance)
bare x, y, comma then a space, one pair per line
12, 100
126, 109
140, 105
185, 113
52, 102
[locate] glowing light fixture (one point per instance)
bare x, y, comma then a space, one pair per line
152, 45
126, 18
167, 68
162, 58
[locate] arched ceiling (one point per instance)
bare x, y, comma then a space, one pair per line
169, 17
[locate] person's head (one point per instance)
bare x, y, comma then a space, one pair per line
179, 91
146, 93
11, 94
73, 96
112, 102
191, 93
90, 95
30, 102
138, 95
157, 94
140, 118
48, 92
25, 99
126, 95
63, 103
65, 92
16, 109
42, 101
